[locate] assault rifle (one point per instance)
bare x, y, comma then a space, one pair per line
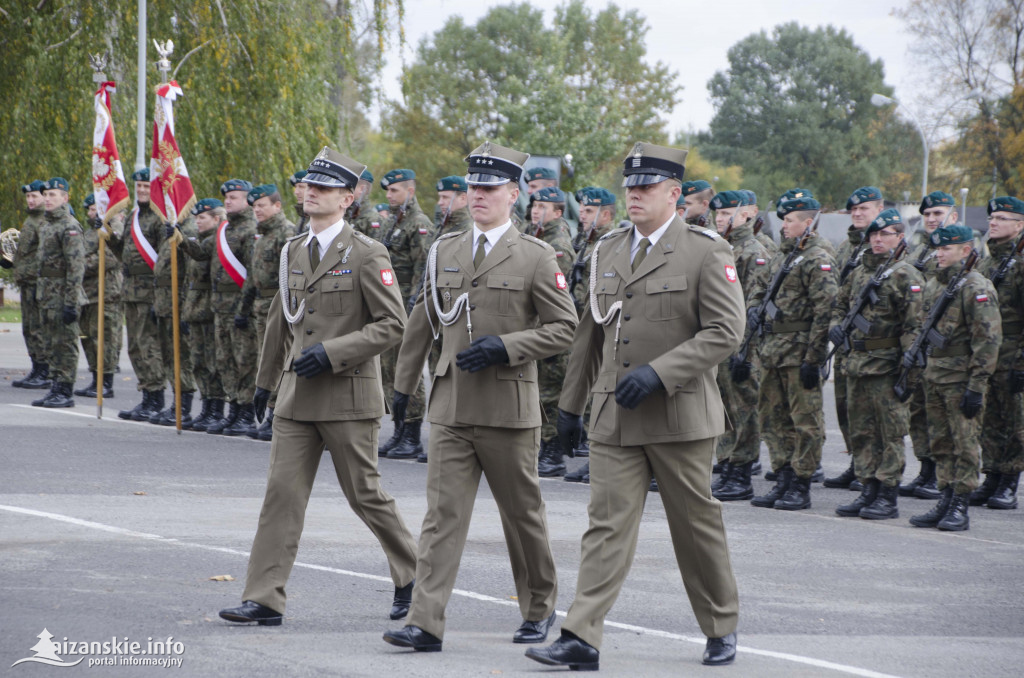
929, 336
1004, 266
855, 256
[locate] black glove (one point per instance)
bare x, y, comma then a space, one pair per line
810, 377
399, 404
96, 222
637, 385
5, 263
184, 328
836, 335
259, 402
314, 360
1016, 381
753, 317
69, 315
739, 371
970, 403
169, 230
241, 322
570, 431
482, 352
412, 304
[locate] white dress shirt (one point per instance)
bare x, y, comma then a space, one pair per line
325, 237
493, 236
653, 238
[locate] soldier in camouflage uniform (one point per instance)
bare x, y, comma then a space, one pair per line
957, 377
263, 280
738, 449
299, 191
88, 321
878, 420
695, 201
59, 294
764, 237
360, 213
237, 351
551, 227
1002, 457
25, 275
791, 350
407, 236
195, 311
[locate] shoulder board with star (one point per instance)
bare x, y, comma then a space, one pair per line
537, 241
363, 238
296, 237
705, 232
614, 232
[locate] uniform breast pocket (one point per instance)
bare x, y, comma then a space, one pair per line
336, 294
504, 292
449, 286
666, 298
606, 290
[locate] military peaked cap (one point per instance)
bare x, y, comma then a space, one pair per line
650, 164
494, 165
331, 169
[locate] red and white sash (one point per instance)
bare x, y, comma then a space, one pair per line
228, 259
146, 251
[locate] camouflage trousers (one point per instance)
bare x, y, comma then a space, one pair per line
237, 356
113, 330
31, 322
1002, 427
260, 321
878, 422
203, 348
550, 375
792, 420
955, 438
166, 328
60, 345
743, 442
144, 346
842, 404
919, 423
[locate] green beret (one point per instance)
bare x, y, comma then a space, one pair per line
261, 191
452, 183
141, 174
728, 199
396, 176
691, 187
535, 173
598, 196
366, 176
1006, 203
58, 182
297, 177
382, 207
795, 193
936, 199
34, 187
205, 205
886, 218
89, 200
235, 185
797, 205
549, 194
863, 194
751, 196
952, 235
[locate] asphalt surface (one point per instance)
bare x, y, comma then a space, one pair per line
111, 529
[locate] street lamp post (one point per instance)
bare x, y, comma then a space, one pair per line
882, 100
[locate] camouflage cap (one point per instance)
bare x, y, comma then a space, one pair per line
58, 183
141, 174
862, 195
795, 193
729, 199
952, 235
261, 191
936, 199
34, 187
494, 165
397, 176
382, 207
597, 196
886, 218
1006, 203
696, 186
797, 205
650, 164
549, 194
535, 173
235, 185
297, 178
89, 200
205, 205
366, 175
332, 169
452, 183
751, 196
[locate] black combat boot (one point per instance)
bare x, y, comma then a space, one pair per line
927, 471
782, 479
723, 476
144, 405
88, 391
167, 417
653, 487
798, 494
108, 385
156, 404
929, 489
932, 518
32, 374
956, 518
737, 486
408, 446
583, 448
60, 395
384, 446
818, 475
246, 417
842, 480
266, 432
987, 488
755, 470
884, 505
217, 427
215, 415
865, 498
38, 402
1005, 496
204, 413
41, 379
719, 467
550, 463
579, 474
771, 475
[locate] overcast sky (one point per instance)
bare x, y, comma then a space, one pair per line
693, 38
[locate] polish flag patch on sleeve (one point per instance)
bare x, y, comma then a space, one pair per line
981, 297
826, 267
915, 288
760, 262
730, 273
374, 224
387, 276
423, 231
560, 281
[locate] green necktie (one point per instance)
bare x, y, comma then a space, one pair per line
314, 252
641, 253
478, 258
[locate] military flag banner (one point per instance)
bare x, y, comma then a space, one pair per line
235, 268
170, 188
108, 182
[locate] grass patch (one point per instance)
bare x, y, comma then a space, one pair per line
10, 314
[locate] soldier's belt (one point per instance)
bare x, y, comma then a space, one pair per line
228, 287
783, 328
199, 286
268, 292
139, 269
875, 344
46, 272
948, 352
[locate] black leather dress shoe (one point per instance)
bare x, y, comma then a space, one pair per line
252, 612
567, 651
414, 637
533, 631
403, 599
720, 651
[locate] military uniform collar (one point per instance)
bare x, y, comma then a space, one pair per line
855, 234
493, 236
653, 237
741, 233
35, 212
944, 275
326, 236
1000, 247
270, 224
59, 213
240, 216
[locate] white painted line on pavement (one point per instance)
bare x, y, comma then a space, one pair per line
785, 656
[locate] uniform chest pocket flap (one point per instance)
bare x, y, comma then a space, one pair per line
506, 285
665, 297
335, 301
449, 285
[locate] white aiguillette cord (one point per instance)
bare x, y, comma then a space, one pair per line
461, 302
615, 310
282, 279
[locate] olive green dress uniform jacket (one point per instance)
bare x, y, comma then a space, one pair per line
689, 295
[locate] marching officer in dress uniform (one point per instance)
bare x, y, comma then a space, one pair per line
26, 275
501, 303
299, 191
337, 308
665, 309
